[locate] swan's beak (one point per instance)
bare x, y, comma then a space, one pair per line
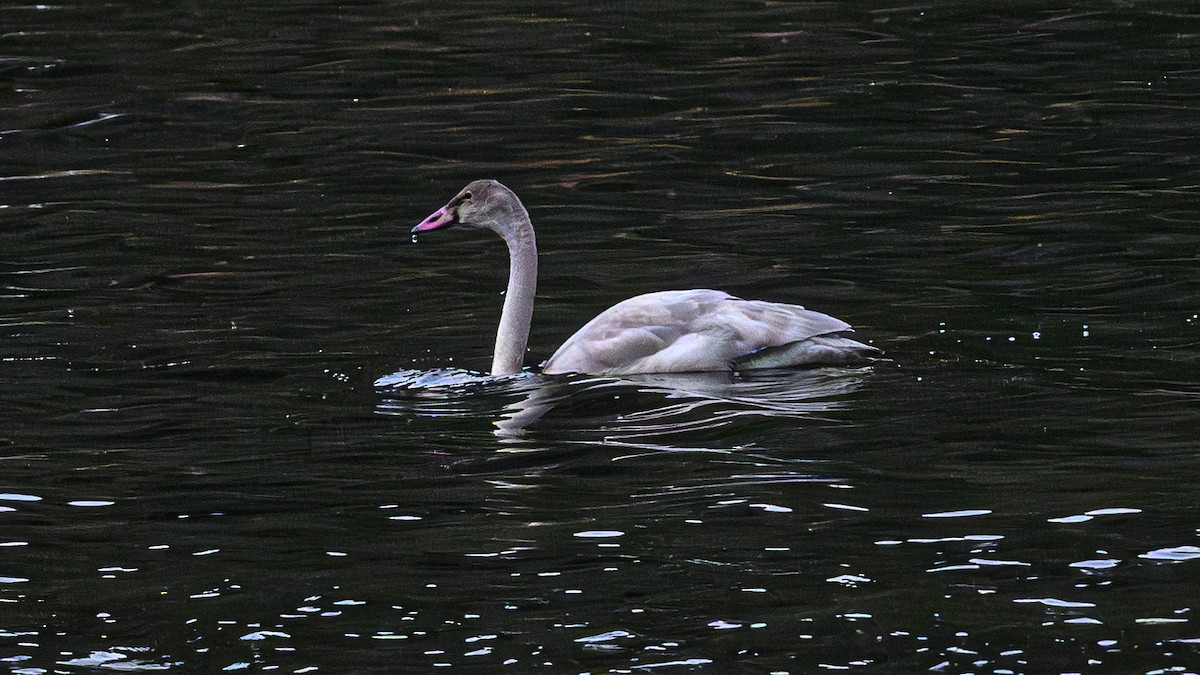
444, 217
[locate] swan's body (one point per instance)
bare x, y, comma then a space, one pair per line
664, 332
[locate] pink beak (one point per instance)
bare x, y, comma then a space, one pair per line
444, 217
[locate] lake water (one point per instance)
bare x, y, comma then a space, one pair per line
206, 267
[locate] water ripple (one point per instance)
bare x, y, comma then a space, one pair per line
632, 411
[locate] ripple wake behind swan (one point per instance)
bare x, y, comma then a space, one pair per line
633, 409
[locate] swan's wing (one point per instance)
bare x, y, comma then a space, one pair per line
782, 336
831, 350
632, 331
694, 331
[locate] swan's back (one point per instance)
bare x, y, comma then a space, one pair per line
703, 330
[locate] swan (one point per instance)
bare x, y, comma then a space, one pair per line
697, 330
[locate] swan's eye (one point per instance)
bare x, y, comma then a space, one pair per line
464, 199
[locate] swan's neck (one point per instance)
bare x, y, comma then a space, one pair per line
513, 334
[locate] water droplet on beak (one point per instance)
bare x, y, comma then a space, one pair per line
414, 237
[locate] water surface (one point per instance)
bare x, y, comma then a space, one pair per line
207, 268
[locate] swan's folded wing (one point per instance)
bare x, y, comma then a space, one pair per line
628, 336
703, 330
829, 350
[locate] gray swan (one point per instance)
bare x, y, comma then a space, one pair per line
664, 332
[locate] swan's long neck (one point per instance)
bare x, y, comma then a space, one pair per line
513, 334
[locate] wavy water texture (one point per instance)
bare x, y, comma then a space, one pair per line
206, 268
646, 409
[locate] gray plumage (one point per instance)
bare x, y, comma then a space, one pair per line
664, 332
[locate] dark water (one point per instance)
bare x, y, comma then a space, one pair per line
206, 267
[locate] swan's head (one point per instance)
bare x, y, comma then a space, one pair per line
483, 205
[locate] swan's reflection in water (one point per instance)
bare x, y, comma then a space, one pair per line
635, 410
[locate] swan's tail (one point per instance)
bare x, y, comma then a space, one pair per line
820, 350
